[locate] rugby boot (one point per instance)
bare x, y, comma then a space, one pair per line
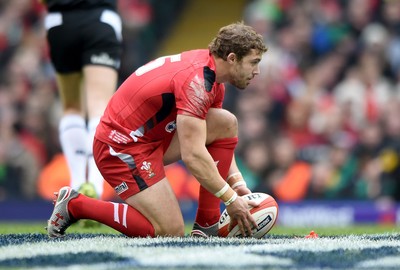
204, 232
60, 219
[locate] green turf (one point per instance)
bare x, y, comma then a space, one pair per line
38, 227
20, 227
279, 252
330, 231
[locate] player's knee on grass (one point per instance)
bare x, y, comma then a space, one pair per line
176, 228
221, 124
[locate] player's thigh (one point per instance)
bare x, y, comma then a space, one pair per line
100, 84
137, 175
220, 124
159, 205
173, 152
69, 86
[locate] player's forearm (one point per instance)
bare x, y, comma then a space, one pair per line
202, 166
192, 134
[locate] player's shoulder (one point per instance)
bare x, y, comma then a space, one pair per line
199, 63
197, 58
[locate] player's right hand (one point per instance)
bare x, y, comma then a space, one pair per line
239, 212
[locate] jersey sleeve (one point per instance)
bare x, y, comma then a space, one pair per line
191, 95
219, 98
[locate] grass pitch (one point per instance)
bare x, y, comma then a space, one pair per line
24, 246
38, 227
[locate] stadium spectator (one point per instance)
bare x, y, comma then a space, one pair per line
368, 184
256, 163
19, 167
390, 156
290, 176
136, 137
334, 172
365, 91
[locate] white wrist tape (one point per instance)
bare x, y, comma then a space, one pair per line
238, 184
222, 191
232, 199
233, 174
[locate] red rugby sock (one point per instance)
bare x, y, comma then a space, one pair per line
119, 216
208, 211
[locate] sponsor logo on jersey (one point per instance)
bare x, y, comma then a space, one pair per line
147, 167
104, 59
121, 188
118, 137
171, 126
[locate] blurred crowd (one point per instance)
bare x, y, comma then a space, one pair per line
321, 121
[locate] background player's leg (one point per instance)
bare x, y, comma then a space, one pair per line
100, 84
72, 127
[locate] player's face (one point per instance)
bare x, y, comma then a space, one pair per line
244, 71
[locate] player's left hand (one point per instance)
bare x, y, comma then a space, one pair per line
242, 190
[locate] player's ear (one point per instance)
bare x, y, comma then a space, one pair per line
231, 58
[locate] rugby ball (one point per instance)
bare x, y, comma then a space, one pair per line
265, 215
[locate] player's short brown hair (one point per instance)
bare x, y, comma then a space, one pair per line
236, 38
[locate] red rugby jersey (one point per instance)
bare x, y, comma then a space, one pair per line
144, 107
